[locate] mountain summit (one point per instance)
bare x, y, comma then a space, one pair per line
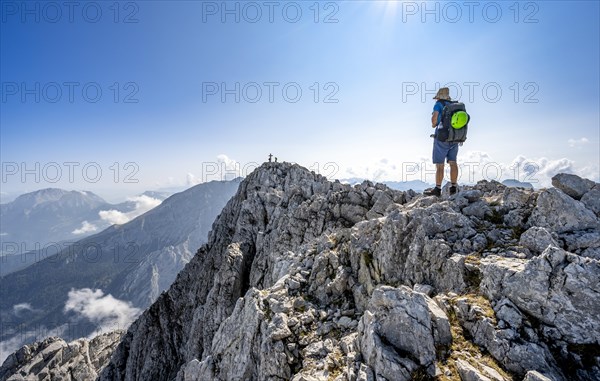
307, 279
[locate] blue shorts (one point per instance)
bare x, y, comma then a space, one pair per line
444, 150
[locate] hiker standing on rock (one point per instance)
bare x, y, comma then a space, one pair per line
444, 147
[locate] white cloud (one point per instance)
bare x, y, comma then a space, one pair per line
86, 227
477, 166
105, 311
18, 308
379, 170
143, 204
230, 169
113, 217
192, 180
474, 166
229, 163
541, 170
224, 168
578, 142
475, 156
170, 182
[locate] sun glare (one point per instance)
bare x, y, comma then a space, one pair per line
389, 7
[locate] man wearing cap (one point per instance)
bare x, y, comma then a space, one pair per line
442, 151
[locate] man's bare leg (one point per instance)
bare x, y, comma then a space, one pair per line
439, 174
453, 172
439, 177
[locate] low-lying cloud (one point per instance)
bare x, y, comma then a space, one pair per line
474, 166
578, 142
143, 204
223, 168
22, 307
104, 311
86, 227
191, 179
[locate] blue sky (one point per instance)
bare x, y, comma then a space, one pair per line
379, 59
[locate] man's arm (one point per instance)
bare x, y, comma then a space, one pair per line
434, 119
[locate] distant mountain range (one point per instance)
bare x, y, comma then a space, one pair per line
48, 215
125, 266
517, 184
36, 224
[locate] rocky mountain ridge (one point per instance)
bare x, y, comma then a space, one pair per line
305, 279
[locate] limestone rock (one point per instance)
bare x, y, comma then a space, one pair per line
584, 243
55, 359
477, 209
572, 185
560, 213
532, 375
469, 373
505, 344
537, 239
407, 322
591, 200
558, 288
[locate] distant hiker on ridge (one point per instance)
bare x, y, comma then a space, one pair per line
450, 121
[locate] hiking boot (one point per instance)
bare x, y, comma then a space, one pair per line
433, 192
453, 189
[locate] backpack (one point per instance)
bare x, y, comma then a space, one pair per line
455, 121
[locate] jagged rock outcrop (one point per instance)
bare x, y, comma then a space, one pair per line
277, 209
537, 239
307, 279
55, 359
572, 185
587, 191
557, 288
591, 200
561, 213
401, 332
